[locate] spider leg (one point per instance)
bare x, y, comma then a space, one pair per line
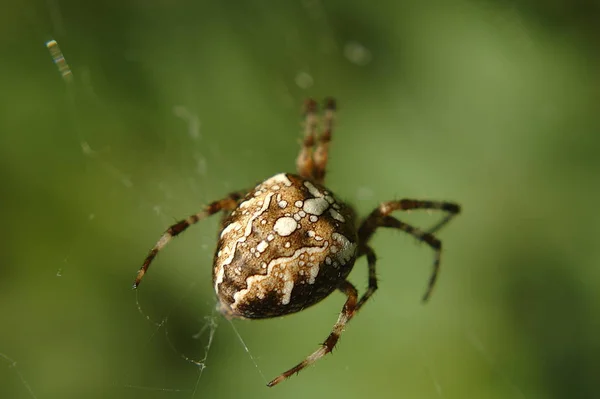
228, 203
368, 226
305, 163
380, 218
348, 311
321, 153
371, 261
441, 223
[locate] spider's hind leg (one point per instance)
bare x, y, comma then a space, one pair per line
348, 311
380, 217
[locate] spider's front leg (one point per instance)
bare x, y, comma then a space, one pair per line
380, 217
304, 163
321, 155
314, 153
226, 204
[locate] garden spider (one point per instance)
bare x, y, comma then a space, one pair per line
289, 242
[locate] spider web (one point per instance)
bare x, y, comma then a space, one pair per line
208, 329
165, 340
353, 51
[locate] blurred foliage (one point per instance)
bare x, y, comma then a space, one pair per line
175, 103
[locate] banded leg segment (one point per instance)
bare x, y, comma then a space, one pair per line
371, 261
380, 218
228, 203
441, 223
305, 163
321, 154
434, 243
370, 224
348, 311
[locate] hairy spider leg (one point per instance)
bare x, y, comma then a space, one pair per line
348, 311
372, 287
305, 163
321, 154
441, 223
226, 204
380, 218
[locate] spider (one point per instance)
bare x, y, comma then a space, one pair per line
290, 242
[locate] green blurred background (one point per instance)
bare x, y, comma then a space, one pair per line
175, 103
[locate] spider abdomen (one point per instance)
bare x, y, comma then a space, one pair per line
285, 247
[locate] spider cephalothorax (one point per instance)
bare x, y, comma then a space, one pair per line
290, 242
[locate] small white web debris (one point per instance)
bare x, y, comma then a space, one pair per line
13, 365
126, 181
247, 350
65, 261
207, 331
59, 60
357, 54
201, 165
436, 383
85, 147
85, 76
478, 345
90, 152
304, 80
192, 120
